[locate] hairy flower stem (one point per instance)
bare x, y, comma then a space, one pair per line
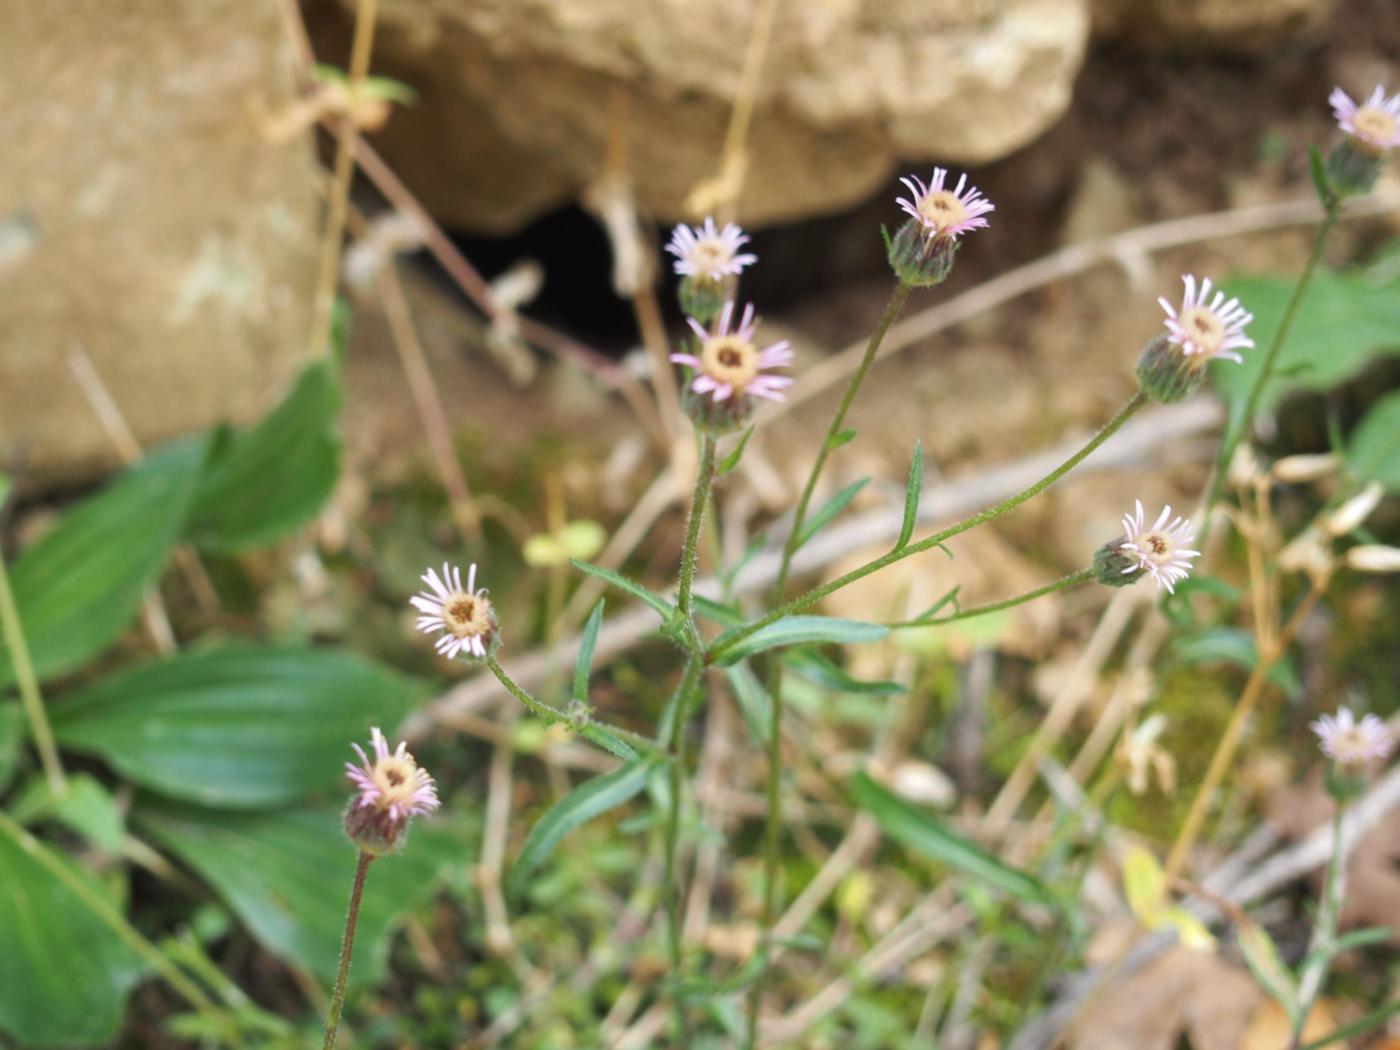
671, 890
1237, 431
772, 831
347, 947
29, 686
816, 594
1324, 939
1074, 579
690, 552
1230, 739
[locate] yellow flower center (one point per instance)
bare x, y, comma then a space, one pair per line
397, 780
943, 210
1375, 125
466, 615
1204, 328
709, 257
729, 359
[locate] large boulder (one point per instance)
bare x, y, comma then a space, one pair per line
144, 219
516, 96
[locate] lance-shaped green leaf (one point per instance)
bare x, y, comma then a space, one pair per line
754, 702
64, 971
796, 630
622, 583
924, 833
80, 585
828, 511
590, 799
912, 490
265, 482
817, 668
242, 726
732, 460
584, 664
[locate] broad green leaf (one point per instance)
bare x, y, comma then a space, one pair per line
1234, 646
241, 726
286, 874
794, 630
86, 807
828, 511
925, 833
264, 482
912, 488
588, 800
584, 664
754, 702
817, 668
1373, 451
1344, 320
64, 971
80, 585
732, 460
622, 583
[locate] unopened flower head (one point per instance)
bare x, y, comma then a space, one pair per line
463, 615
730, 368
708, 252
1353, 743
391, 789
1353, 513
1207, 327
1374, 125
1374, 557
1162, 549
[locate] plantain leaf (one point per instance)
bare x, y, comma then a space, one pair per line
241, 726
267, 481
79, 586
924, 833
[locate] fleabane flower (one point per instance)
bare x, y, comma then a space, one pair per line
945, 214
1161, 550
709, 253
1206, 326
1374, 125
1351, 743
463, 615
391, 789
730, 368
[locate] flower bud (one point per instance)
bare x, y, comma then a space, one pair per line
1167, 373
1116, 567
1353, 170
703, 297
1373, 557
918, 258
1355, 510
1295, 469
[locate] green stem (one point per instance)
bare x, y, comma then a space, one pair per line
703, 476
1241, 426
347, 946
1341, 1035
671, 891
1323, 943
816, 594
550, 713
29, 687
1064, 582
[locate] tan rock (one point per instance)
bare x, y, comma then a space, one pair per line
146, 221
516, 95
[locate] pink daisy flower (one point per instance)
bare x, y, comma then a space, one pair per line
391, 789
1352, 743
1161, 550
945, 213
1208, 326
462, 614
709, 253
730, 364
1374, 124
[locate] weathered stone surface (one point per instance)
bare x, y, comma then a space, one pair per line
1228, 25
516, 95
146, 220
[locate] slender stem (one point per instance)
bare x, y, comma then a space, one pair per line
1324, 938
671, 890
872, 348
1241, 426
689, 553
29, 686
1229, 741
329, 267
1340, 1035
1064, 582
347, 946
816, 594
557, 714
